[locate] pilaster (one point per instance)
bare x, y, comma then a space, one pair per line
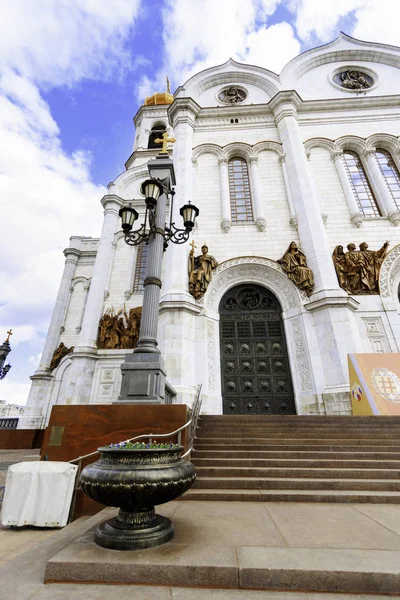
332, 309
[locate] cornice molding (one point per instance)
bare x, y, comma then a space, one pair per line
108, 200
183, 110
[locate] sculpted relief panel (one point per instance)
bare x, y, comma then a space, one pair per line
358, 270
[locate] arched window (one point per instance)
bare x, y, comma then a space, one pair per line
390, 174
140, 269
239, 190
156, 132
362, 190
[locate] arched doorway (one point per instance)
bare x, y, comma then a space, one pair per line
255, 372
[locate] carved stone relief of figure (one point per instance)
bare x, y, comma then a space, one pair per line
116, 331
358, 270
59, 354
200, 271
294, 263
232, 95
355, 80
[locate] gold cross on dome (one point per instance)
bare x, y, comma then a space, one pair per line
8, 336
164, 141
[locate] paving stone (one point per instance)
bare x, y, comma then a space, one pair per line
331, 526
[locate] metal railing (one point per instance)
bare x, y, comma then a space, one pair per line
191, 425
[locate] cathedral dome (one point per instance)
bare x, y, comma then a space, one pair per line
159, 98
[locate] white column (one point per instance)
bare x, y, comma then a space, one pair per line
311, 228
356, 216
101, 270
331, 307
256, 194
225, 198
53, 335
381, 190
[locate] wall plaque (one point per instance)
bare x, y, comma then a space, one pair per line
56, 435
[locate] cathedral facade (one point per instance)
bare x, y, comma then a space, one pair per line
294, 261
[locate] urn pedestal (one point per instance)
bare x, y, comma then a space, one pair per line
135, 480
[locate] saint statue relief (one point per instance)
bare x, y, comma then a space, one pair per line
294, 263
117, 331
358, 270
200, 271
59, 354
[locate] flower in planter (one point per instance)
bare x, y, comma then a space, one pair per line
143, 446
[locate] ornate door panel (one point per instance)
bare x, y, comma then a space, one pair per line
254, 362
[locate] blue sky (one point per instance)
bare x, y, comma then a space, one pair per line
73, 73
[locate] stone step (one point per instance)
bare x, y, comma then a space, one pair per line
233, 570
250, 444
294, 454
296, 463
300, 418
234, 436
291, 483
298, 472
274, 495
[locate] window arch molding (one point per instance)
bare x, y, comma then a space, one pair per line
237, 149
265, 147
206, 149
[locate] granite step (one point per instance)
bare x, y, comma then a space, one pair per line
293, 454
281, 463
276, 495
292, 483
298, 472
253, 442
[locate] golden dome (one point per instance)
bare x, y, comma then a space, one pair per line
159, 98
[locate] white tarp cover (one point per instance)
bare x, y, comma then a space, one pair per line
38, 493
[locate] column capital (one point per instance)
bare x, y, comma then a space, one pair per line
337, 155
183, 110
253, 160
285, 104
222, 161
72, 254
111, 202
368, 153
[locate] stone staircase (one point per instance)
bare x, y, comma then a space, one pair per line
297, 458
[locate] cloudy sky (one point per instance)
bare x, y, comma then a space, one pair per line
73, 74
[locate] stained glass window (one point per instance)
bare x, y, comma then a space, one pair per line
239, 191
390, 174
140, 270
361, 187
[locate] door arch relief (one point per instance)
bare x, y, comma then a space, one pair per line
255, 372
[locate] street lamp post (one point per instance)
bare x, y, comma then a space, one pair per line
143, 372
5, 349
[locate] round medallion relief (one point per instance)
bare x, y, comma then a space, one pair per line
354, 79
232, 95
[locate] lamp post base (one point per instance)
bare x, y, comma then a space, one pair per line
143, 379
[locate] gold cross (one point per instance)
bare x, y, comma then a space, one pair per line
164, 141
193, 246
9, 333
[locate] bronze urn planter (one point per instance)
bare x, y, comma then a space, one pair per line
135, 480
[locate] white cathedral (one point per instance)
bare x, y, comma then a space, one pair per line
309, 156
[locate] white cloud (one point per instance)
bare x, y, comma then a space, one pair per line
62, 41
372, 20
14, 393
263, 44
47, 194
198, 34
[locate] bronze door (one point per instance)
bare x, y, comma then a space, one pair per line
255, 368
